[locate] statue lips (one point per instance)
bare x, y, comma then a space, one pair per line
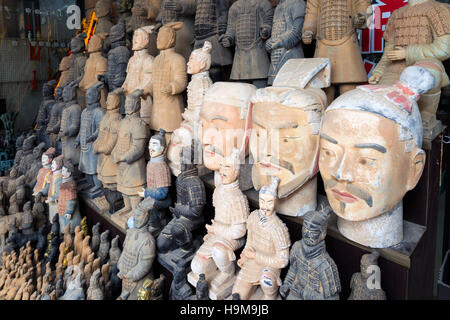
344, 196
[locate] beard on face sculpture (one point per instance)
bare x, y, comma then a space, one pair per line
371, 156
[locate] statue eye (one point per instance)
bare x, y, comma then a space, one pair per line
367, 161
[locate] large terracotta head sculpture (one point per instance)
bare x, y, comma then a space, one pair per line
371, 156
225, 121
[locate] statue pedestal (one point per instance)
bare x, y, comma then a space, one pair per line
170, 259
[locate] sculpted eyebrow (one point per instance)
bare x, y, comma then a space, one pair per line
219, 117
374, 146
328, 138
285, 125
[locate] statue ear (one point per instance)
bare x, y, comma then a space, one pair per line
416, 168
175, 25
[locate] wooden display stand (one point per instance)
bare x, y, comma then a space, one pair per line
407, 269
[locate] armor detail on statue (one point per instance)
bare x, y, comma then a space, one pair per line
158, 175
335, 21
107, 138
230, 212
205, 19
67, 192
247, 32
415, 24
197, 88
190, 190
118, 58
70, 123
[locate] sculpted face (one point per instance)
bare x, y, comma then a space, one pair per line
65, 173
229, 172
45, 160
363, 163
181, 137
155, 148
165, 39
55, 166
266, 204
282, 145
222, 130
140, 40
195, 64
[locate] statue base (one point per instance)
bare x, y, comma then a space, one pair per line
170, 259
101, 204
121, 218
430, 132
300, 202
221, 292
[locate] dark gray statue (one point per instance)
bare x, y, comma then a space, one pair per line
54, 124
312, 274
89, 129
366, 285
70, 124
44, 112
285, 42
79, 58
249, 25
36, 165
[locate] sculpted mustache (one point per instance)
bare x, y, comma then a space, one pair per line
215, 150
282, 163
354, 190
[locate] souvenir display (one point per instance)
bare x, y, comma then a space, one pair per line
363, 287
334, 25
129, 154
417, 34
371, 155
89, 130
168, 81
266, 251
249, 26
226, 233
285, 136
139, 70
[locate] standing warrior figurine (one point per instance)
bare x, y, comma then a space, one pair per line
334, 25
285, 42
312, 274
68, 210
43, 116
169, 80
249, 25
139, 70
135, 262
89, 129
139, 16
267, 249
52, 185
118, 57
77, 48
70, 124
66, 73
104, 145
129, 154
417, 34
360, 280
45, 171
226, 233
103, 10
54, 124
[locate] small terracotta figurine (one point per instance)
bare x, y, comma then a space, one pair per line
94, 292
226, 125
130, 156
96, 65
75, 289
104, 145
285, 42
54, 124
77, 48
169, 80
136, 260
45, 108
103, 11
417, 34
226, 233
52, 187
45, 171
70, 124
104, 247
380, 129
266, 251
365, 285
66, 73
139, 70
68, 209
312, 274
89, 130
36, 165
118, 57
114, 251
334, 25
95, 241
249, 25
180, 288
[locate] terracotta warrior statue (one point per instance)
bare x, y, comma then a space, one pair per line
66, 73
285, 42
226, 233
139, 16
103, 10
35, 166
176, 238
137, 257
168, 81
77, 48
285, 136
45, 171
26, 156
198, 66
70, 124
366, 285
249, 25
334, 25
156, 194
226, 125
312, 274
54, 124
52, 186
89, 129
118, 57
104, 145
417, 34
44, 112
129, 154
371, 155
266, 251
68, 209
139, 70
96, 65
